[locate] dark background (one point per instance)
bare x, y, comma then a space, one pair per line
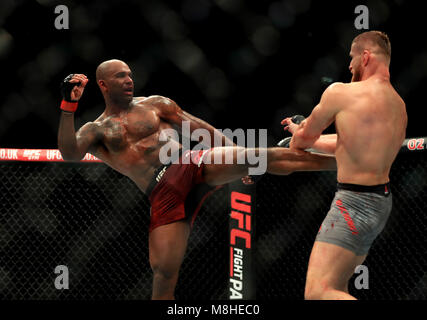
233, 63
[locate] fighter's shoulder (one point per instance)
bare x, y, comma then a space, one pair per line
337, 88
336, 91
91, 128
96, 126
156, 100
161, 103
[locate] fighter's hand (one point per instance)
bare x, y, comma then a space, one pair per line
80, 80
73, 86
289, 125
292, 123
72, 90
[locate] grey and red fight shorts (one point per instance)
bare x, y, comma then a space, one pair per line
177, 191
356, 217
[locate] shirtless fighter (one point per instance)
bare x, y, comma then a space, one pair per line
126, 137
370, 120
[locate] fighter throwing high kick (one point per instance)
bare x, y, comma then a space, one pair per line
126, 136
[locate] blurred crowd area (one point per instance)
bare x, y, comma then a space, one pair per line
234, 63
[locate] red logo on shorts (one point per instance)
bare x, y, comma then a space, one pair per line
347, 217
197, 156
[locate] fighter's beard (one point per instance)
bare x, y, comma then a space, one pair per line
356, 76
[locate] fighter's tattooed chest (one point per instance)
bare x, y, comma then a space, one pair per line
114, 135
119, 133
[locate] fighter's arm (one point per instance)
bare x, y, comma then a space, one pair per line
310, 129
326, 143
73, 146
171, 112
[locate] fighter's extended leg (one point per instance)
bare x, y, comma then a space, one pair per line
302, 162
221, 165
167, 245
226, 164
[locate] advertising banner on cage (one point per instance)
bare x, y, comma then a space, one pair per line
39, 155
242, 223
414, 144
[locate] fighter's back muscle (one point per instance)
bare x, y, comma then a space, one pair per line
371, 127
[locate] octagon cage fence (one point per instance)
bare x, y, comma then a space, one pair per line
94, 221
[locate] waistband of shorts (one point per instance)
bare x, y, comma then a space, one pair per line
160, 171
381, 189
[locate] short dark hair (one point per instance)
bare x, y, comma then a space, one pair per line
378, 38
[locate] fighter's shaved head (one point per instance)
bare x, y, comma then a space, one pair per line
107, 67
114, 79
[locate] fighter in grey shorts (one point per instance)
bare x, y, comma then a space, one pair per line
356, 217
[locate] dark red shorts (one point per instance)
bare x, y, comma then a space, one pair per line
179, 193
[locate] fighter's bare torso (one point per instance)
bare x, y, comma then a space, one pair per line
128, 141
371, 127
